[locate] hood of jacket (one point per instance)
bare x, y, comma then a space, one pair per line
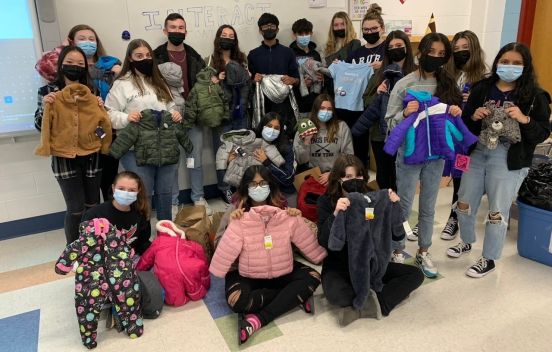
107, 62
239, 137
153, 119
236, 74
204, 76
420, 96
172, 74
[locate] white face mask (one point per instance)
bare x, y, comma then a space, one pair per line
270, 134
259, 193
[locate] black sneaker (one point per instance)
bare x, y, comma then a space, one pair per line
414, 235
481, 268
459, 249
227, 196
451, 229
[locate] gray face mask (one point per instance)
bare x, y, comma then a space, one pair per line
259, 193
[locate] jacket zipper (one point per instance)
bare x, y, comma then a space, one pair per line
269, 258
427, 128
159, 117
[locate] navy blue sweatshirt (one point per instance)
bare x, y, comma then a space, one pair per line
277, 60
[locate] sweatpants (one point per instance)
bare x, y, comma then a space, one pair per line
398, 282
270, 298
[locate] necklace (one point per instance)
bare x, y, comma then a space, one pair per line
175, 60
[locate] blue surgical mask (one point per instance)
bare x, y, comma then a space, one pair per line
303, 40
270, 134
124, 198
88, 47
325, 115
509, 73
259, 193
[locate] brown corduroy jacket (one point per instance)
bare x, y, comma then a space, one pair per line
69, 124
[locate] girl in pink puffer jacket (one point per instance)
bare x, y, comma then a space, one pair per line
179, 264
268, 282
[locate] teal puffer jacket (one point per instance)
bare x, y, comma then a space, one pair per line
155, 139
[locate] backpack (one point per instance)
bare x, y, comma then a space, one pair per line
153, 295
307, 197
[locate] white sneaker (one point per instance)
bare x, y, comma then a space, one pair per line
397, 258
414, 235
423, 260
174, 211
203, 202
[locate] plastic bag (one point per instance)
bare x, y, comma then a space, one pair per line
536, 189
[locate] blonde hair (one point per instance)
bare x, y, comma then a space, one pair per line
374, 14
350, 33
475, 69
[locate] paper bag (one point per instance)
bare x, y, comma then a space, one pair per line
300, 178
197, 225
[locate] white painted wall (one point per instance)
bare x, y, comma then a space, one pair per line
28, 187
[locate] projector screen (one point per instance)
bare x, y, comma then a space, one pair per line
19, 81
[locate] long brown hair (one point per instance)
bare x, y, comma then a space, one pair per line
275, 198
333, 124
142, 204
156, 81
475, 69
447, 90
100, 51
350, 33
235, 54
334, 190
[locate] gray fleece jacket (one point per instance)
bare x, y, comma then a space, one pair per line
321, 152
368, 241
248, 143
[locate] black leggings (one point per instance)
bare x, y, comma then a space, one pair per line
270, 298
80, 193
386, 175
398, 282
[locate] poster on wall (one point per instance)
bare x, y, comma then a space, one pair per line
358, 8
401, 25
317, 3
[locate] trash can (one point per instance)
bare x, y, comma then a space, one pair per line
535, 233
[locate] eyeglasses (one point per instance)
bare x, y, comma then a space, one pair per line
269, 26
254, 184
371, 30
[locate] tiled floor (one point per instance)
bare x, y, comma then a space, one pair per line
509, 310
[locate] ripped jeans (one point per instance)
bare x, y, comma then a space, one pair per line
488, 174
270, 298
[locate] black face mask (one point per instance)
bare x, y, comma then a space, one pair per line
396, 54
176, 38
430, 64
461, 58
269, 34
354, 185
73, 72
339, 33
227, 43
143, 66
371, 38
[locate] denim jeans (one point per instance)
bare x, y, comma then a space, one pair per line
157, 179
196, 135
429, 174
488, 174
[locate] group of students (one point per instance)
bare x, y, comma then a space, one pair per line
386, 90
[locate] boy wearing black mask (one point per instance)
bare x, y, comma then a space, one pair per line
273, 58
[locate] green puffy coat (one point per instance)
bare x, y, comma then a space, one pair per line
155, 139
206, 104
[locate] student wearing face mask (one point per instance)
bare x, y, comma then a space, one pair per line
273, 58
468, 67
342, 40
177, 51
499, 172
138, 88
398, 61
267, 282
305, 49
431, 77
231, 65
349, 175
74, 149
128, 211
270, 129
332, 139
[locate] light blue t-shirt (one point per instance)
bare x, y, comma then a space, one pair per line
350, 81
